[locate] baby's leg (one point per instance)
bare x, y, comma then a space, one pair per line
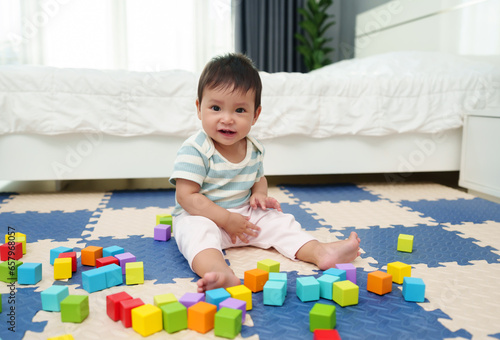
327, 255
211, 266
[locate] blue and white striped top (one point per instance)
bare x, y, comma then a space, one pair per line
226, 184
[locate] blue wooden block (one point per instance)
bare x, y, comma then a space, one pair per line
282, 277
337, 272
216, 296
114, 276
29, 273
274, 293
307, 288
94, 280
112, 251
326, 286
54, 253
413, 289
52, 297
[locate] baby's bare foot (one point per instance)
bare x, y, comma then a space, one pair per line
330, 254
215, 280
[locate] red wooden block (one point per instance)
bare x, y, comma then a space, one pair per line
326, 334
72, 255
104, 261
113, 307
16, 251
126, 306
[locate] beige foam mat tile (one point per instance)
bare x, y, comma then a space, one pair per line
364, 214
47, 202
486, 234
282, 195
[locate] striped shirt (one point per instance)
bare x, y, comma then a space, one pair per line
226, 184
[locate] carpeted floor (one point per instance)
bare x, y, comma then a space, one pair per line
456, 253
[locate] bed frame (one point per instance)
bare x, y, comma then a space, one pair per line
385, 28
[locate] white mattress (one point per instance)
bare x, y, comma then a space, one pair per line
380, 95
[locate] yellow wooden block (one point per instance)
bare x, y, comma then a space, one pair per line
147, 319
269, 265
63, 268
399, 271
134, 273
62, 337
17, 237
243, 293
163, 299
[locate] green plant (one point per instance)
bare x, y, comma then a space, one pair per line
313, 44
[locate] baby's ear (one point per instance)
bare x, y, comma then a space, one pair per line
198, 108
256, 114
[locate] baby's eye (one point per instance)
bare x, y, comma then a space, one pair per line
215, 108
240, 110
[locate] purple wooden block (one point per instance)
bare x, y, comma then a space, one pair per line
350, 271
190, 299
124, 258
235, 304
163, 232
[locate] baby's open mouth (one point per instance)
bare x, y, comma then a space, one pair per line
227, 132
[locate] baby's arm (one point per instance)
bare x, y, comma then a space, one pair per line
259, 196
236, 225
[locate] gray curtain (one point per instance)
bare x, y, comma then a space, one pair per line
265, 29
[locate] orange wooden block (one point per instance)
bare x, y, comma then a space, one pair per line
90, 254
255, 279
379, 282
201, 317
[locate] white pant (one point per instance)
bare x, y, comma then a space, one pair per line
281, 231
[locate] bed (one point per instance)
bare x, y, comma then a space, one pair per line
392, 109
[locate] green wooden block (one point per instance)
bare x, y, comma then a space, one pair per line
8, 270
345, 293
227, 323
164, 219
74, 308
134, 273
405, 243
174, 317
269, 265
322, 316
163, 299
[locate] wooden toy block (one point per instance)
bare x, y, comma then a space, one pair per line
174, 317
114, 276
322, 316
307, 288
241, 292
147, 319
126, 307
164, 219
379, 282
274, 293
162, 232
255, 279
399, 271
62, 337
350, 271
74, 308
55, 252
29, 273
52, 297
113, 304
90, 254
345, 293
326, 286
236, 304
104, 261
163, 299
112, 251
216, 296
94, 280
414, 289
190, 299
134, 273
17, 237
8, 270
72, 256
282, 277
63, 268
405, 243
201, 317
269, 265
337, 272
227, 323
11, 251
326, 334
125, 258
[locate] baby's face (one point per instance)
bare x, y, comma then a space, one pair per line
227, 115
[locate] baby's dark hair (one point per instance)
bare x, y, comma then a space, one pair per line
233, 70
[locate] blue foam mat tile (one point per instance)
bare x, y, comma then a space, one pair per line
306, 220
140, 199
332, 193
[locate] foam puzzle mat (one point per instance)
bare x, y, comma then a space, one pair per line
456, 252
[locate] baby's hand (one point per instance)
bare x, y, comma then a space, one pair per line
264, 202
238, 226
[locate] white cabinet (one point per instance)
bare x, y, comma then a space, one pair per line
480, 164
